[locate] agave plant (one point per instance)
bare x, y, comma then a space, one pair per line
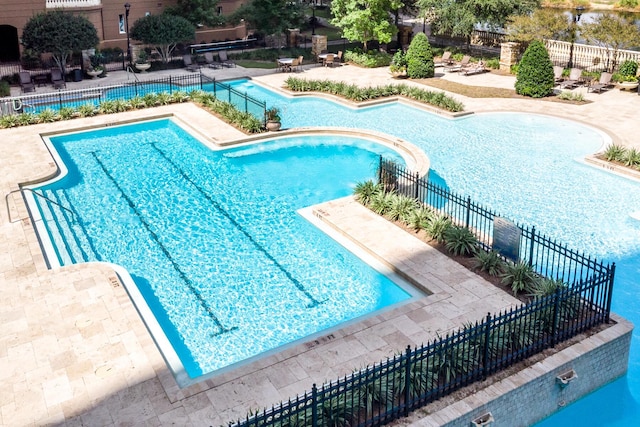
420, 218
401, 207
438, 228
107, 107
137, 102
26, 119
9, 121
364, 191
520, 276
460, 240
48, 116
87, 110
381, 202
631, 157
489, 262
67, 113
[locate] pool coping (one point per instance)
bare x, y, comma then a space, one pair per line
104, 281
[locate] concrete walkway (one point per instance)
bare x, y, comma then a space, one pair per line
74, 351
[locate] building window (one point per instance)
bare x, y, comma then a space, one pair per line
219, 10
121, 27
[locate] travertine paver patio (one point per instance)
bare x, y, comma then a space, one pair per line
74, 351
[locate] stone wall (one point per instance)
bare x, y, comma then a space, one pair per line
535, 392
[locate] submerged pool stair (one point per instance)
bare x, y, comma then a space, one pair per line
67, 232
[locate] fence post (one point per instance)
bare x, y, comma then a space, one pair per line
60, 99
468, 218
407, 380
554, 325
612, 273
214, 87
380, 170
246, 103
485, 352
314, 405
416, 182
533, 235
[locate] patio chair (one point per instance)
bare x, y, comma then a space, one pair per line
224, 59
459, 66
57, 79
445, 60
557, 74
475, 68
188, 62
211, 63
338, 58
26, 82
603, 84
328, 61
298, 64
573, 80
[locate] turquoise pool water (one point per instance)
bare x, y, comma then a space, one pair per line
213, 239
528, 168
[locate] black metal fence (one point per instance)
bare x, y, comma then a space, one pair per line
95, 95
547, 256
391, 389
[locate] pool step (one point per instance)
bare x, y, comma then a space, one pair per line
66, 231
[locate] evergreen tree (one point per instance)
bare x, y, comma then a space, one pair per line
420, 58
535, 72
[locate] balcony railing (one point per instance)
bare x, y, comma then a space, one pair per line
52, 4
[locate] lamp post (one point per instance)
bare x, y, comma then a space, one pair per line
313, 17
574, 24
127, 6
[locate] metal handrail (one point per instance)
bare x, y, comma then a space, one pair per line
130, 70
6, 200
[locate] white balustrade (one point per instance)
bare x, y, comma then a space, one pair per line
52, 4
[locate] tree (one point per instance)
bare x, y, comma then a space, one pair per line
419, 58
364, 20
459, 17
60, 34
612, 32
270, 16
164, 32
535, 72
541, 24
198, 12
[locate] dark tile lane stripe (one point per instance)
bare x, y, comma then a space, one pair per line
164, 250
236, 224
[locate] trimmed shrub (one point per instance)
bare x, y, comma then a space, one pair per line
420, 58
628, 68
535, 72
5, 90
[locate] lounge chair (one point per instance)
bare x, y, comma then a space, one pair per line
475, 68
208, 59
557, 74
445, 60
188, 62
603, 84
573, 80
56, 79
224, 59
459, 66
26, 82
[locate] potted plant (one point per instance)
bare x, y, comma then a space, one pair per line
398, 66
142, 62
272, 117
95, 66
626, 75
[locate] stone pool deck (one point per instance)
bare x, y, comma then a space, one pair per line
74, 351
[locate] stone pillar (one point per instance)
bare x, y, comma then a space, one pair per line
292, 40
508, 55
318, 44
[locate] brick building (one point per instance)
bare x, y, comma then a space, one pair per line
108, 16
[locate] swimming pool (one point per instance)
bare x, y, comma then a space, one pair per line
213, 239
517, 164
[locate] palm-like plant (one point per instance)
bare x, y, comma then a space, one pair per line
420, 218
381, 202
438, 228
489, 262
364, 191
401, 207
520, 276
460, 240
